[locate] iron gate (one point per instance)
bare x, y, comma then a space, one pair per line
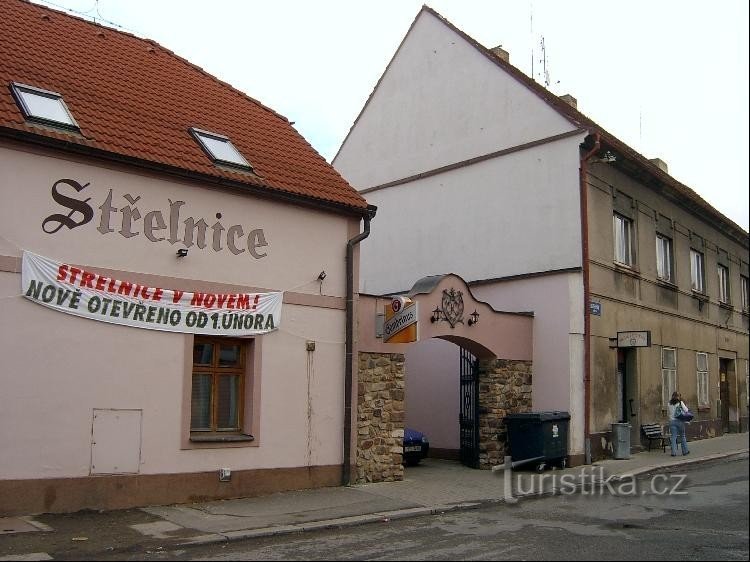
468, 420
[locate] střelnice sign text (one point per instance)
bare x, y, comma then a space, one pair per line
171, 225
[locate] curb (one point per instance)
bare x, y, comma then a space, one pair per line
386, 516
682, 461
352, 521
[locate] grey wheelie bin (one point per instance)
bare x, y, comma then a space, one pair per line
621, 440
538, 438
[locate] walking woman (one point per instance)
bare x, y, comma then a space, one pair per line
676, 426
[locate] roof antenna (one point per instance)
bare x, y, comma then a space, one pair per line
531, 31
545, 71
544, 61
98, 12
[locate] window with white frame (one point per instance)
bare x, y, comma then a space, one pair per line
220, 149
43, 106
623, 227
697, 272
744, 289
668, 374
664, 258
701, 366
723, 272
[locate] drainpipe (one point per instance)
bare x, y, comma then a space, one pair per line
346, 475
586, 298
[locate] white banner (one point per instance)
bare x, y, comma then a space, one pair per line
74, 290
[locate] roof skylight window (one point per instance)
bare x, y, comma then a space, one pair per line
43, 106
220, 149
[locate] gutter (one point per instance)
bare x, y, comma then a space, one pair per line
586, 298
349, 356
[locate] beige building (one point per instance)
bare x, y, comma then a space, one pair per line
662, 261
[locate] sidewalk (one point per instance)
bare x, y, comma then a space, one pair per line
434, 486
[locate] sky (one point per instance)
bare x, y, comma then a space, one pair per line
669, 78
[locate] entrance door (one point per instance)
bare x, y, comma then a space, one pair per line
468, 419
622, 385
627, 405
724, 393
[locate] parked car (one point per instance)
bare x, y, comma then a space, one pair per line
416, 446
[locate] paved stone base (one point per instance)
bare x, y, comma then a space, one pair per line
380, 417
504, 388
64, 495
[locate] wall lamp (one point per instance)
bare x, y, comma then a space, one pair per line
473, 318
182, 252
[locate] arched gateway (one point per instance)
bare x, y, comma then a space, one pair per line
493, 369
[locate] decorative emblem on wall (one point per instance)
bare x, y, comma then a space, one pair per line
453, 306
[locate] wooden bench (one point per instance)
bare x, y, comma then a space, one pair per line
652, 432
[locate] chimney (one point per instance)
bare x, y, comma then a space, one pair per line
570, 100
501, 53
661, 164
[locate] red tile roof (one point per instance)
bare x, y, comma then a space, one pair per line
135, 100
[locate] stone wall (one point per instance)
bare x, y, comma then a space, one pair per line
504, 388
380, 417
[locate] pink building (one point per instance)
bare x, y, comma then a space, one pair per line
166, 329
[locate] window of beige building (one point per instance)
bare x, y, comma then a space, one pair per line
668, 374
623, 232
744, 290
697, 272
664, 258
723, 272
701, 365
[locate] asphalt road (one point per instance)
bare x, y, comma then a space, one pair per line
697, 513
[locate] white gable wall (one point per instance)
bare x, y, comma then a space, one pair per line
514, 214
439, 102
442, 102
